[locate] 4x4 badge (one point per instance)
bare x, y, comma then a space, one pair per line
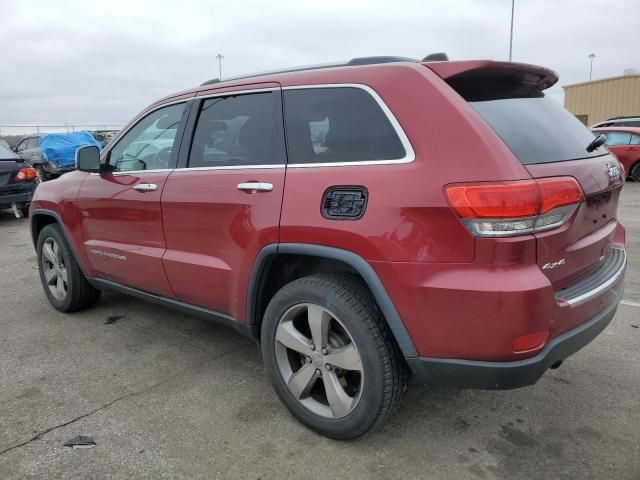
552, 265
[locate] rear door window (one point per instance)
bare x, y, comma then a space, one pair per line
635, 139
338, 124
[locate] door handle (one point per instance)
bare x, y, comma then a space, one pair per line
251, 187
145, 187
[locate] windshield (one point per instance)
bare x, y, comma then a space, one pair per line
6, 153
537, 129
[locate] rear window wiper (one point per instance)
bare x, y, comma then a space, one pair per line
596, 142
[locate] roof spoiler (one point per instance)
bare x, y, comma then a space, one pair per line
523, 73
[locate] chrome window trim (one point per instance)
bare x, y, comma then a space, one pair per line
406, 143
409, 156
134, 172
231, 167
229, 93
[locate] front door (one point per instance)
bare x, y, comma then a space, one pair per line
121, 214
223, 206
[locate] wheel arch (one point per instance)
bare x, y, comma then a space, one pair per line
308, 258
636, 164
40, 218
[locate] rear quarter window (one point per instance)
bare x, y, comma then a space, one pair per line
338, 124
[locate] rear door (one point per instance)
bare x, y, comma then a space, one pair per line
222, 205
121, 213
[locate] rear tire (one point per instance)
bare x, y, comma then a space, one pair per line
63, 282
635, 172
345, 381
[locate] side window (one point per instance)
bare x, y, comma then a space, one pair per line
22, 146
617, 138
239, 131
148, 145
343, 124
635, 139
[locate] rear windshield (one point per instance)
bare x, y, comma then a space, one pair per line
6, 153
536, 128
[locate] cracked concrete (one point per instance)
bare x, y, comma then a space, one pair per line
166, 395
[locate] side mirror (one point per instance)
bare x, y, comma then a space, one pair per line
88, 159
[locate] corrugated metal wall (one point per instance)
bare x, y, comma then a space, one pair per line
606, 98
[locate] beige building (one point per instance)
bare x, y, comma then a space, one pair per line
601, 99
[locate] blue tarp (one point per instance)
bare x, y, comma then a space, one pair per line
60, 148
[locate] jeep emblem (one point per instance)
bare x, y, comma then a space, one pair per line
613, 171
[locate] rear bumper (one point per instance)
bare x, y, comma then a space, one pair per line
506, 375
18, 198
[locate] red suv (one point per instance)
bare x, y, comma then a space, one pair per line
360, 221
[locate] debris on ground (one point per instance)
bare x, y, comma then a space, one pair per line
81, 441
111, 319
634, 326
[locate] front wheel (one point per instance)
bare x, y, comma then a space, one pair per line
63, 282
331, 357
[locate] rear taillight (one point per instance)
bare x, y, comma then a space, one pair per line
515, 208
28, 173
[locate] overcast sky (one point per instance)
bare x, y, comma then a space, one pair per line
103, 61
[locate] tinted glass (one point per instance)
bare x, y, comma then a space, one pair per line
617, 138
148, 145
536, 128
630, 123
338, 125
239, 131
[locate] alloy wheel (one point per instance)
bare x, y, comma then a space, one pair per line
318, 360
54, 269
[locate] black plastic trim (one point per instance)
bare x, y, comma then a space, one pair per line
42, 211
356, 262
201, 312
507, 375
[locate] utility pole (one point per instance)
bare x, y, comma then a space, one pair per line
513, 6
220, 57
591, 57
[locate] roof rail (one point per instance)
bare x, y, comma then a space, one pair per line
351, 63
